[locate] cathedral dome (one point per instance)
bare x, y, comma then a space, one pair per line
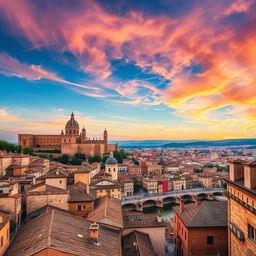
111, 159
72, 122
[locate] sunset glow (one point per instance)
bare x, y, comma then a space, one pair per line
166, 69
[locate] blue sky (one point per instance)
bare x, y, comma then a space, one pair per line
163, 69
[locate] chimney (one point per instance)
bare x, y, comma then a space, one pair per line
94, 232
181, 205
198, 201
250, 175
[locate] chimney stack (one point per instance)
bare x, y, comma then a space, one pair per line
181, 205
94, 232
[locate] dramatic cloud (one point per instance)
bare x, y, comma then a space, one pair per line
205, 57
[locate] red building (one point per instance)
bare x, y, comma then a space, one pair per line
201, 229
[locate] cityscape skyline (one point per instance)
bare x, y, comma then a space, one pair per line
161, 70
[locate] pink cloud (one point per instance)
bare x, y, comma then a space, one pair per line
158, 44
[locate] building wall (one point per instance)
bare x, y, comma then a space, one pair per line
157, 237
115, 192
241, 217
198, 241
84, 177
5, 233
11, 205
37, 201
194, 240
4, 163
51, 252
57, 182
73, 207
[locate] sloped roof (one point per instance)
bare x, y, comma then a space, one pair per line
133, 219
77, 193
107, 211
57, 173
137, 243
46, 189
66, 233
207, 214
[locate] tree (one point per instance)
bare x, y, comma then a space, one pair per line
197, 170
64, 159
9, 147
76, 161
93, 159
28, 150
137, 185
80, 156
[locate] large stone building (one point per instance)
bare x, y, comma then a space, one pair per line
242, 208
71, 142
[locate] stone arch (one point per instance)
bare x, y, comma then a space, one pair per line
149, 203
202, 195
129, 206
187, 198
169, 200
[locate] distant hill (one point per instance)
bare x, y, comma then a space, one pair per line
212, 143
145, 143
185, 143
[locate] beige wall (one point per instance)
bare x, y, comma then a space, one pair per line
11, 205
38, 201
157, 237
57, 182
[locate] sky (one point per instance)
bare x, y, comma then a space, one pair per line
148, 69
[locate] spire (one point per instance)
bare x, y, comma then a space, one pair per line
111, 154
62, 133
72, 115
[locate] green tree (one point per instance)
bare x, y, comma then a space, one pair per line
28, 150
80, 156
197, 170
76, 161
64, 159
94, 159
137, 185
9, 147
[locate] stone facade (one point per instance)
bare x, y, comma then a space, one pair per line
69, 143
241, 208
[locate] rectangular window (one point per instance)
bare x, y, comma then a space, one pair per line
210, 240
252, 233
84, 207
22, 188
7, 234
79, 208
2, 242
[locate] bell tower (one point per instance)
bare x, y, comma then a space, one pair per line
105, 135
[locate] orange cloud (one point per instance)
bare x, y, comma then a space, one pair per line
205, 37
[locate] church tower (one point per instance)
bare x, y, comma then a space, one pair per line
72, 126
105, 135
83, 135
111, 166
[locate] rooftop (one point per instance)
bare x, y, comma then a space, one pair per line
108, 211
206, 214
137, 243
63, 232
138, 219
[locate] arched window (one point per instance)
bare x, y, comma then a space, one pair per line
114, 169
109, 169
